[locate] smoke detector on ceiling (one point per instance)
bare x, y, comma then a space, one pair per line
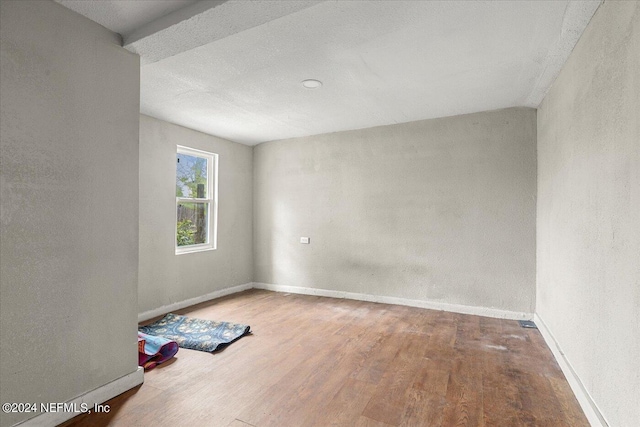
311, 83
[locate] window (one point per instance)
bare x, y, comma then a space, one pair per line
196, 200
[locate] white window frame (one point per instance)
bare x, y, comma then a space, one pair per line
212, 199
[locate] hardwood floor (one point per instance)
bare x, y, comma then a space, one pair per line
314, 361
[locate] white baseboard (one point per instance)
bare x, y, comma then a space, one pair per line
432, 305
192, 301
589, 407
90, 399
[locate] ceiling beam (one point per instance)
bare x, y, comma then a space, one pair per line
204, 22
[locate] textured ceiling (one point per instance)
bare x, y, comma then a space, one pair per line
233, 69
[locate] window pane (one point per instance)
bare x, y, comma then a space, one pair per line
192, 223
191, 176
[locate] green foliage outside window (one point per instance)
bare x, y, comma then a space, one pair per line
192, 182
191, 177
186, 233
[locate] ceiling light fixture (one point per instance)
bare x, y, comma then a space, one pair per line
311, 83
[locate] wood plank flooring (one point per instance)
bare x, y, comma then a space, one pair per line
314, 361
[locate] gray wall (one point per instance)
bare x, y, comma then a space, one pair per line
69, 214
588, 281
167, 278
437, 210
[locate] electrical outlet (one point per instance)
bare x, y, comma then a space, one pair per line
305, 240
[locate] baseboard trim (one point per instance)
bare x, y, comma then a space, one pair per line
589, 407
432, 305
192, 301
90, 399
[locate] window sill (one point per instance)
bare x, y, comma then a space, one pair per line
193, 249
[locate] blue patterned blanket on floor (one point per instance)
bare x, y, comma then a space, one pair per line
196, 334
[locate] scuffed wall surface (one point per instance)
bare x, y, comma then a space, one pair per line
439, 210
588, 283
167, 278
69, 205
